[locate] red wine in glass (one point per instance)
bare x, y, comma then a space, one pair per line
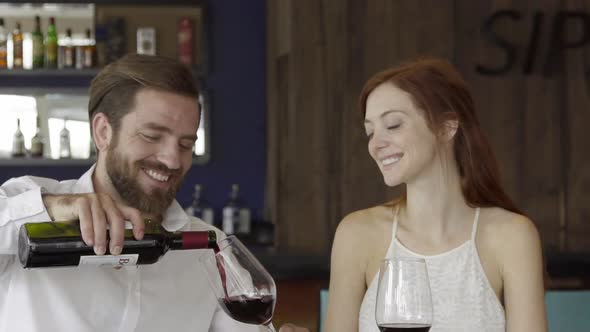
221, 269
255, 310
243, 287
404, 301
404, 328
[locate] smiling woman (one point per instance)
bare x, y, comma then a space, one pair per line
478, 249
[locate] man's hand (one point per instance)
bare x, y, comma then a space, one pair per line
95, 212
292, 328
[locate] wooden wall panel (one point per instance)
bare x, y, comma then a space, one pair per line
540, 167
576, 119
319, 167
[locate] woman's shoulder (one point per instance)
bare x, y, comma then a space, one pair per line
502, 229
366, 220
501, 221
360, 235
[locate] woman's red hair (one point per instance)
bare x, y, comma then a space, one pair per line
439, 90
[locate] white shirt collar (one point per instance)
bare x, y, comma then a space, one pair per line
174, 218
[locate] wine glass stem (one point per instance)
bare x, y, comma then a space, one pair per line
270, 328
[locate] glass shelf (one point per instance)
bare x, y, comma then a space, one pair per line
46, 79
54, 79
45, 162
28, 161
48, 73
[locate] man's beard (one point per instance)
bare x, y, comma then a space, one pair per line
124, 178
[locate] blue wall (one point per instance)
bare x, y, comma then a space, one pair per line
237, 87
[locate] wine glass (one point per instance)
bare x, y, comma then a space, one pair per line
404, 302
243, 287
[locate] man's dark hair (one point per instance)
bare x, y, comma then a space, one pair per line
113, 90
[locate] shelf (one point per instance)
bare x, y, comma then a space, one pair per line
120, 2
45, 162
48, 72
46, 79
27, 161
39, 80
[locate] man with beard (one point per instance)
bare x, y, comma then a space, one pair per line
144, 117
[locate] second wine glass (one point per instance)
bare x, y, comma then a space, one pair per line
243, 287
404, 301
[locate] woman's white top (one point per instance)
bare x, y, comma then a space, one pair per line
462, 297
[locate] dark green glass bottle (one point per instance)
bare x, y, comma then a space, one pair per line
52, 244
51, 45
38, 49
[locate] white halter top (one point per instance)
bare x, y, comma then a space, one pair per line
462, 297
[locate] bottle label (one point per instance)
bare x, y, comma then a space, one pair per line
146, 41
245, 221
51, 53
37, 148
88, 57
208, 216
69, 57
38, 52
228, 221
109, 260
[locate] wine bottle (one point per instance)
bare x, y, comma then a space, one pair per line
200, 208
18, 142
3, 46
236, 215
65, 149
69, 50
17, 47
38, 49
230, 214
51, 45
37, 141
53, 244
89, 52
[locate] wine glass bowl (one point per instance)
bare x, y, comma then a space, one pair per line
404, 301
242, 286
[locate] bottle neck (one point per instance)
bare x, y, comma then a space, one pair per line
197, 196
192, 240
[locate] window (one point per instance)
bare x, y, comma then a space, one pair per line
55, 111
79, 137
23, 108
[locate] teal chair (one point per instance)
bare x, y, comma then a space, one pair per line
323, 308
568, 311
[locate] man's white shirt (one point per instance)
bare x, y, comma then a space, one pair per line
170, 295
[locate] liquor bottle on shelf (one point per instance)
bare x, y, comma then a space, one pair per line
79, 56
69, 50
65, 150
53, 244
3, 46
38, 49
116, 38
200, 208
101, 38
18, 142
185, 41
17, 47
236, 216
51, 45
89, 52
37, 142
